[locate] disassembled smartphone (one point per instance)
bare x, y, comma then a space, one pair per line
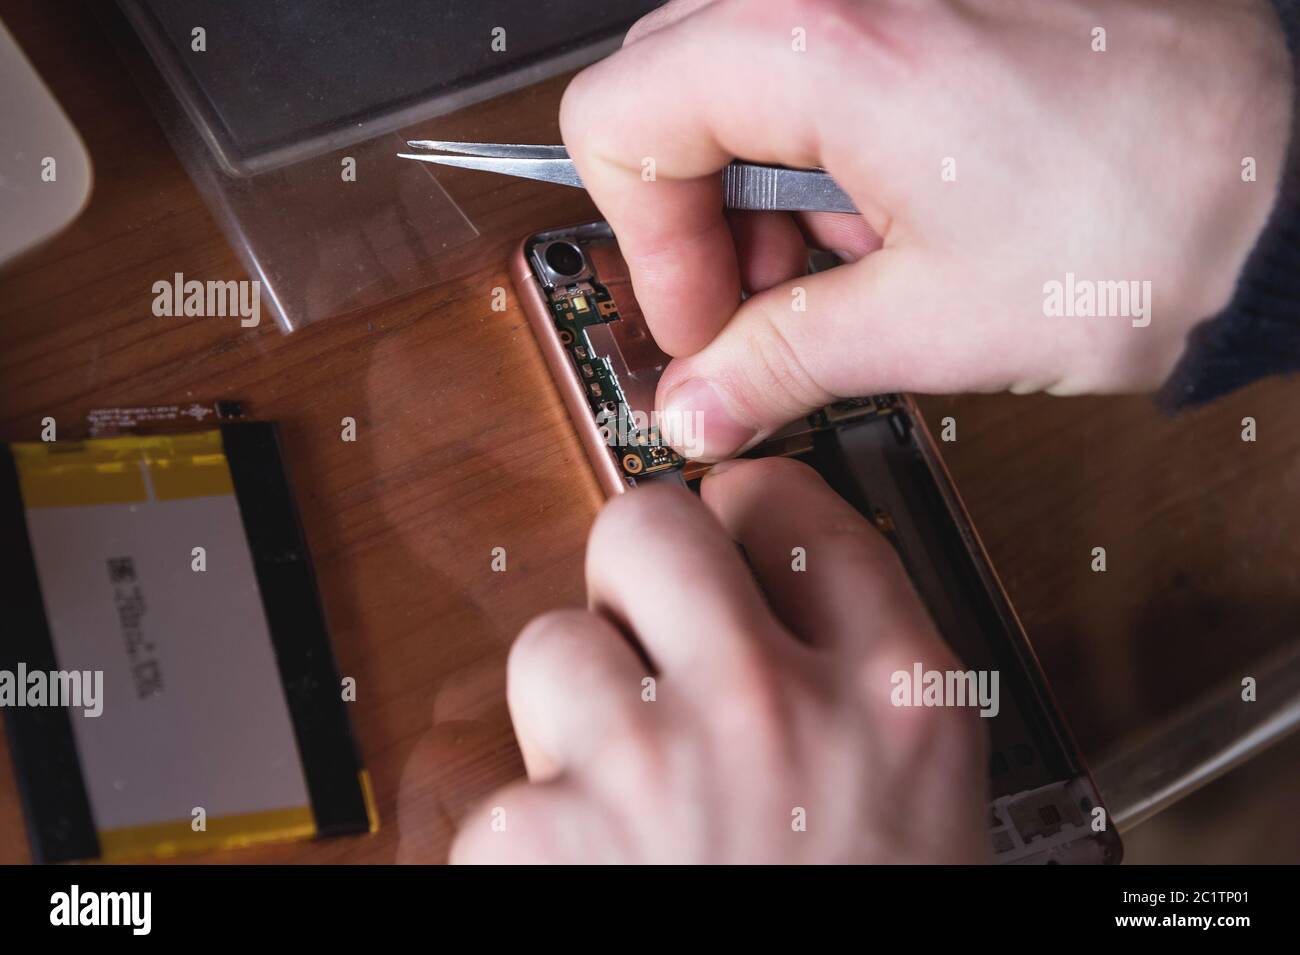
878, 455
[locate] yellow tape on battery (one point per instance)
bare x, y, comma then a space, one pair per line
166, 839
122, 470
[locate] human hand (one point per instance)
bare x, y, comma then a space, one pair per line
770, 708
992, 149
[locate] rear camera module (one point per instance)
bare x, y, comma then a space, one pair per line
564, 259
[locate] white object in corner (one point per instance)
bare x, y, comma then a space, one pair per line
45, 171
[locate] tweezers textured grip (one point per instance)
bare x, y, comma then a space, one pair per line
771, 189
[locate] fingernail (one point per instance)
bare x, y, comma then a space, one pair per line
701, 423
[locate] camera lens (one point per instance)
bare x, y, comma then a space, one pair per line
564, 258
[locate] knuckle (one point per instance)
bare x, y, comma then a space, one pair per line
634, 516
643, 27
775, 469
546, 625
957, 737
776, 372
796, 481
917, 731
541, 635
757, 701
637, 760
654, 20
854, 33
649, 508
926, 732
949, 723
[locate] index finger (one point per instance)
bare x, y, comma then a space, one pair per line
649, 130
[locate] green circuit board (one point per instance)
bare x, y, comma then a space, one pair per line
636, 446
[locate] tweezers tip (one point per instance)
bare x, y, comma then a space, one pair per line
440, 160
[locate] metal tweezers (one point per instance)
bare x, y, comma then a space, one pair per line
745, 185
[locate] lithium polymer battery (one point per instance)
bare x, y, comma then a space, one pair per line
176, 567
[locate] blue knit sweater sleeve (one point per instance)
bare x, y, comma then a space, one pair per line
1258, 334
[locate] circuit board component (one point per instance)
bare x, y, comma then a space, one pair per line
614, 355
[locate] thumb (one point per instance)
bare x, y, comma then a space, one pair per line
874, 326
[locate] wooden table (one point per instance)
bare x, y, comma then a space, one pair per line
464, 446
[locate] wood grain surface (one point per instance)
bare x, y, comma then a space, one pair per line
463, 446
